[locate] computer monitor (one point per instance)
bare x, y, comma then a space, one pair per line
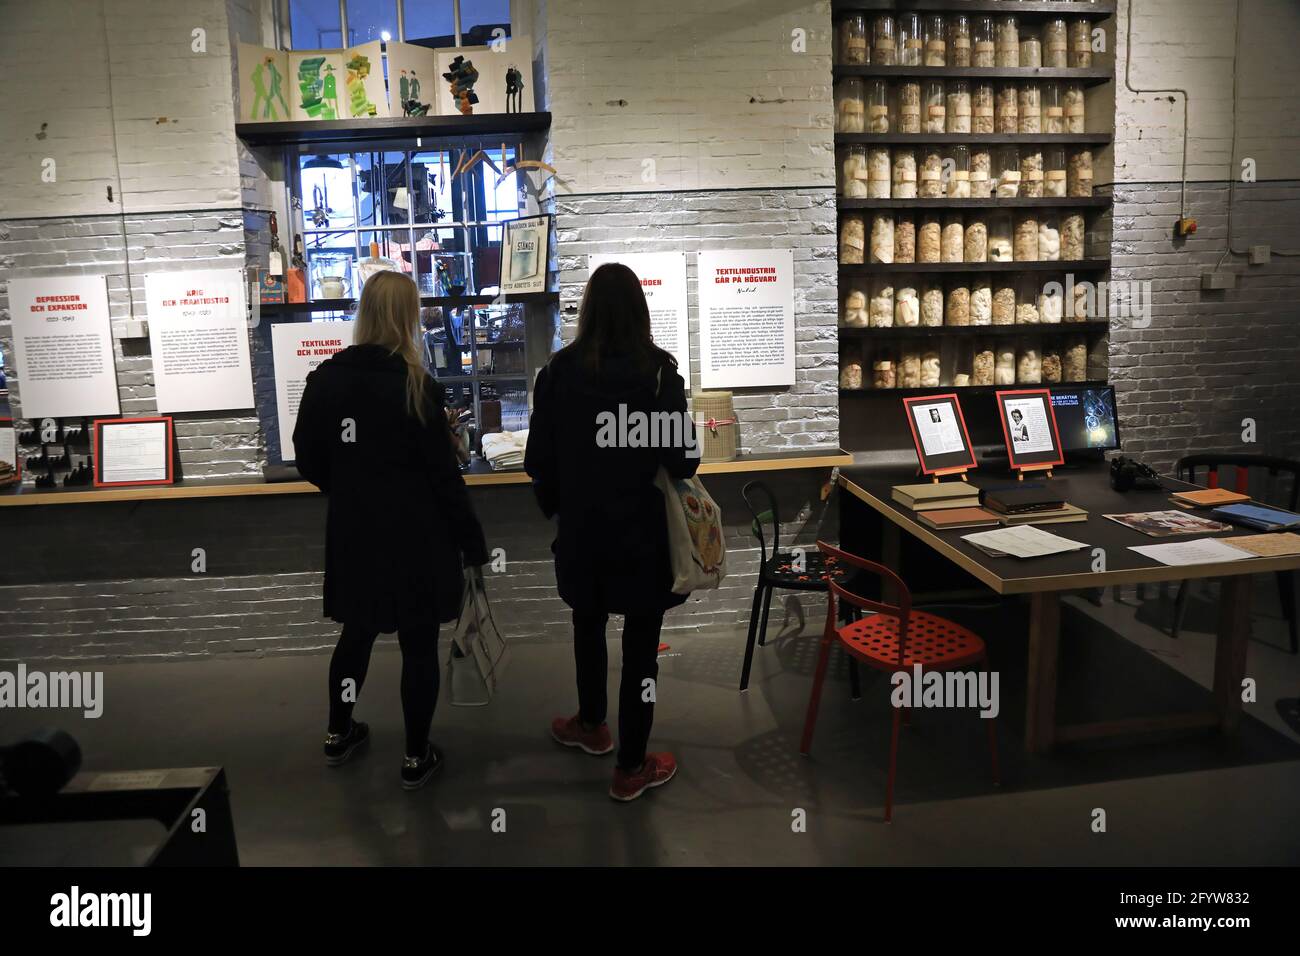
1086, 418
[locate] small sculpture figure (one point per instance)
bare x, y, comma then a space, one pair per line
514, 89
462, 76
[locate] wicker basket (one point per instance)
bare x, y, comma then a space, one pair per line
717, 443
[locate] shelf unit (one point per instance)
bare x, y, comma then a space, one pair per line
981, 390
355, 133
866, 408
274, 309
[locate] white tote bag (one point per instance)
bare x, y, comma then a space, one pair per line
477, 653
695, 543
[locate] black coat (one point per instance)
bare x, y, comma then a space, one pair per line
611, 541
400, 523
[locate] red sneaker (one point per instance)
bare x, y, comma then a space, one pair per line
657, 770
570, 732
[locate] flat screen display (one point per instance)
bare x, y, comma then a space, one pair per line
1085, 418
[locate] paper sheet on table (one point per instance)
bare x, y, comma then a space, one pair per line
1022, 542
1182, 553
1272, 545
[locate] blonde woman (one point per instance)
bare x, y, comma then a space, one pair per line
372, 434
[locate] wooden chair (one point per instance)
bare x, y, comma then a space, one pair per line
807, 571
1187, 468
893, 638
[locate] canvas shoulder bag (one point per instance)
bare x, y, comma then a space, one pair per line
477, 653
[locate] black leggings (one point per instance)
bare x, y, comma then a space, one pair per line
420, 680
640, 661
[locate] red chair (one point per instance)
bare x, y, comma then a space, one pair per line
935, 643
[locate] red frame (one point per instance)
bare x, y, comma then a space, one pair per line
916, 439
1046, 395
18, 459
99, 458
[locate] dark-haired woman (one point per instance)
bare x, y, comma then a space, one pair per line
611, 541
372, 434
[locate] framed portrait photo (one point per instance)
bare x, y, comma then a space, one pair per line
939, 433
1029, 426
133, 451
524, 254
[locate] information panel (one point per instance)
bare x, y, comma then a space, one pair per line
296, 349
663, 279
746, 318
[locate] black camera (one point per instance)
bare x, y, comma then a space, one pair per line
1129, 475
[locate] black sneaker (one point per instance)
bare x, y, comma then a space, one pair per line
339, 747
416, 771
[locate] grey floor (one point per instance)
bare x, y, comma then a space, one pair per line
1182, 800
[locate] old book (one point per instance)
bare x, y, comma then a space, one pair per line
1066, 514
931, 495
1210, 497
946, 518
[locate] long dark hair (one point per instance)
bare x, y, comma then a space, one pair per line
614, 321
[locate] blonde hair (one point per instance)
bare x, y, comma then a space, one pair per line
389, 315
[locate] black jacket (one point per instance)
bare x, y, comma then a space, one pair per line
611, 542
400, 520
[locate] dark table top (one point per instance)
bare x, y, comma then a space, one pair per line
1087, 487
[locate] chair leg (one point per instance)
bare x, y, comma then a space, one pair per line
762, 624
1180, 608
749, 641
819, 676
893, 767
907, 715
855, 685
1286, 591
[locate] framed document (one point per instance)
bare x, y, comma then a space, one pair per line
524, 254
11, 469
133, 451
1029, 426
939, 432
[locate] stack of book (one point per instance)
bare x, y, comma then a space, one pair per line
956, 504
1031, 505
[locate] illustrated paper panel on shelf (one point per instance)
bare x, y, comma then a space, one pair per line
319, 84
364, 82
413, 81
63, 346
663, 279
746, 318
505, 80
264, 88
296, 349
198, 335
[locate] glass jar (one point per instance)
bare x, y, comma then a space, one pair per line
904, 173
1053, 110
908, 111
1008, 42
1027, 301
1080, 43
982, 107
1024, 245
1076, 113
1079, 173
952, 242
877, 173
878, 107
850, 105
1004, 301
1007, 165
976, 241
907, 303
1051, 363
1031, 48
1029, 361
981, 366
981, 173
883, 371
957, 163
909, 366
882, 238
1072, 237
851, 48
851, 366
1054, 177
1007, 109
853, 239
1055, 44
981, 300
934, 109
1031, 172
929, 238
956, 310
1001, 246
1004, 364
884, 50
936, 42
904, 237
852, 167
932, 302
958, 102
853, 311
984, 43
911, 41
1030, 98
931, 185
880, 305
959, 40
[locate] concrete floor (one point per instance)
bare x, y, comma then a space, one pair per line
1182, 800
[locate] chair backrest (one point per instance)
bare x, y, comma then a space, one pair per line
1213, 461
902, 610
764, 513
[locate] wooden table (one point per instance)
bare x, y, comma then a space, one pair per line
1046, 579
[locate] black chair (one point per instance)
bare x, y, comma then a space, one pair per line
805, 571
1274, 466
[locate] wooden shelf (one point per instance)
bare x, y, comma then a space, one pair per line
970, 139
1096, 10
972, 390
384, 129
451, 301
1090, 76
1053, 202
893, 268
974, 331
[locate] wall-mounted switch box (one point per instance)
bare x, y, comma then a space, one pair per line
1260, 255
1218, 280
135, 329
